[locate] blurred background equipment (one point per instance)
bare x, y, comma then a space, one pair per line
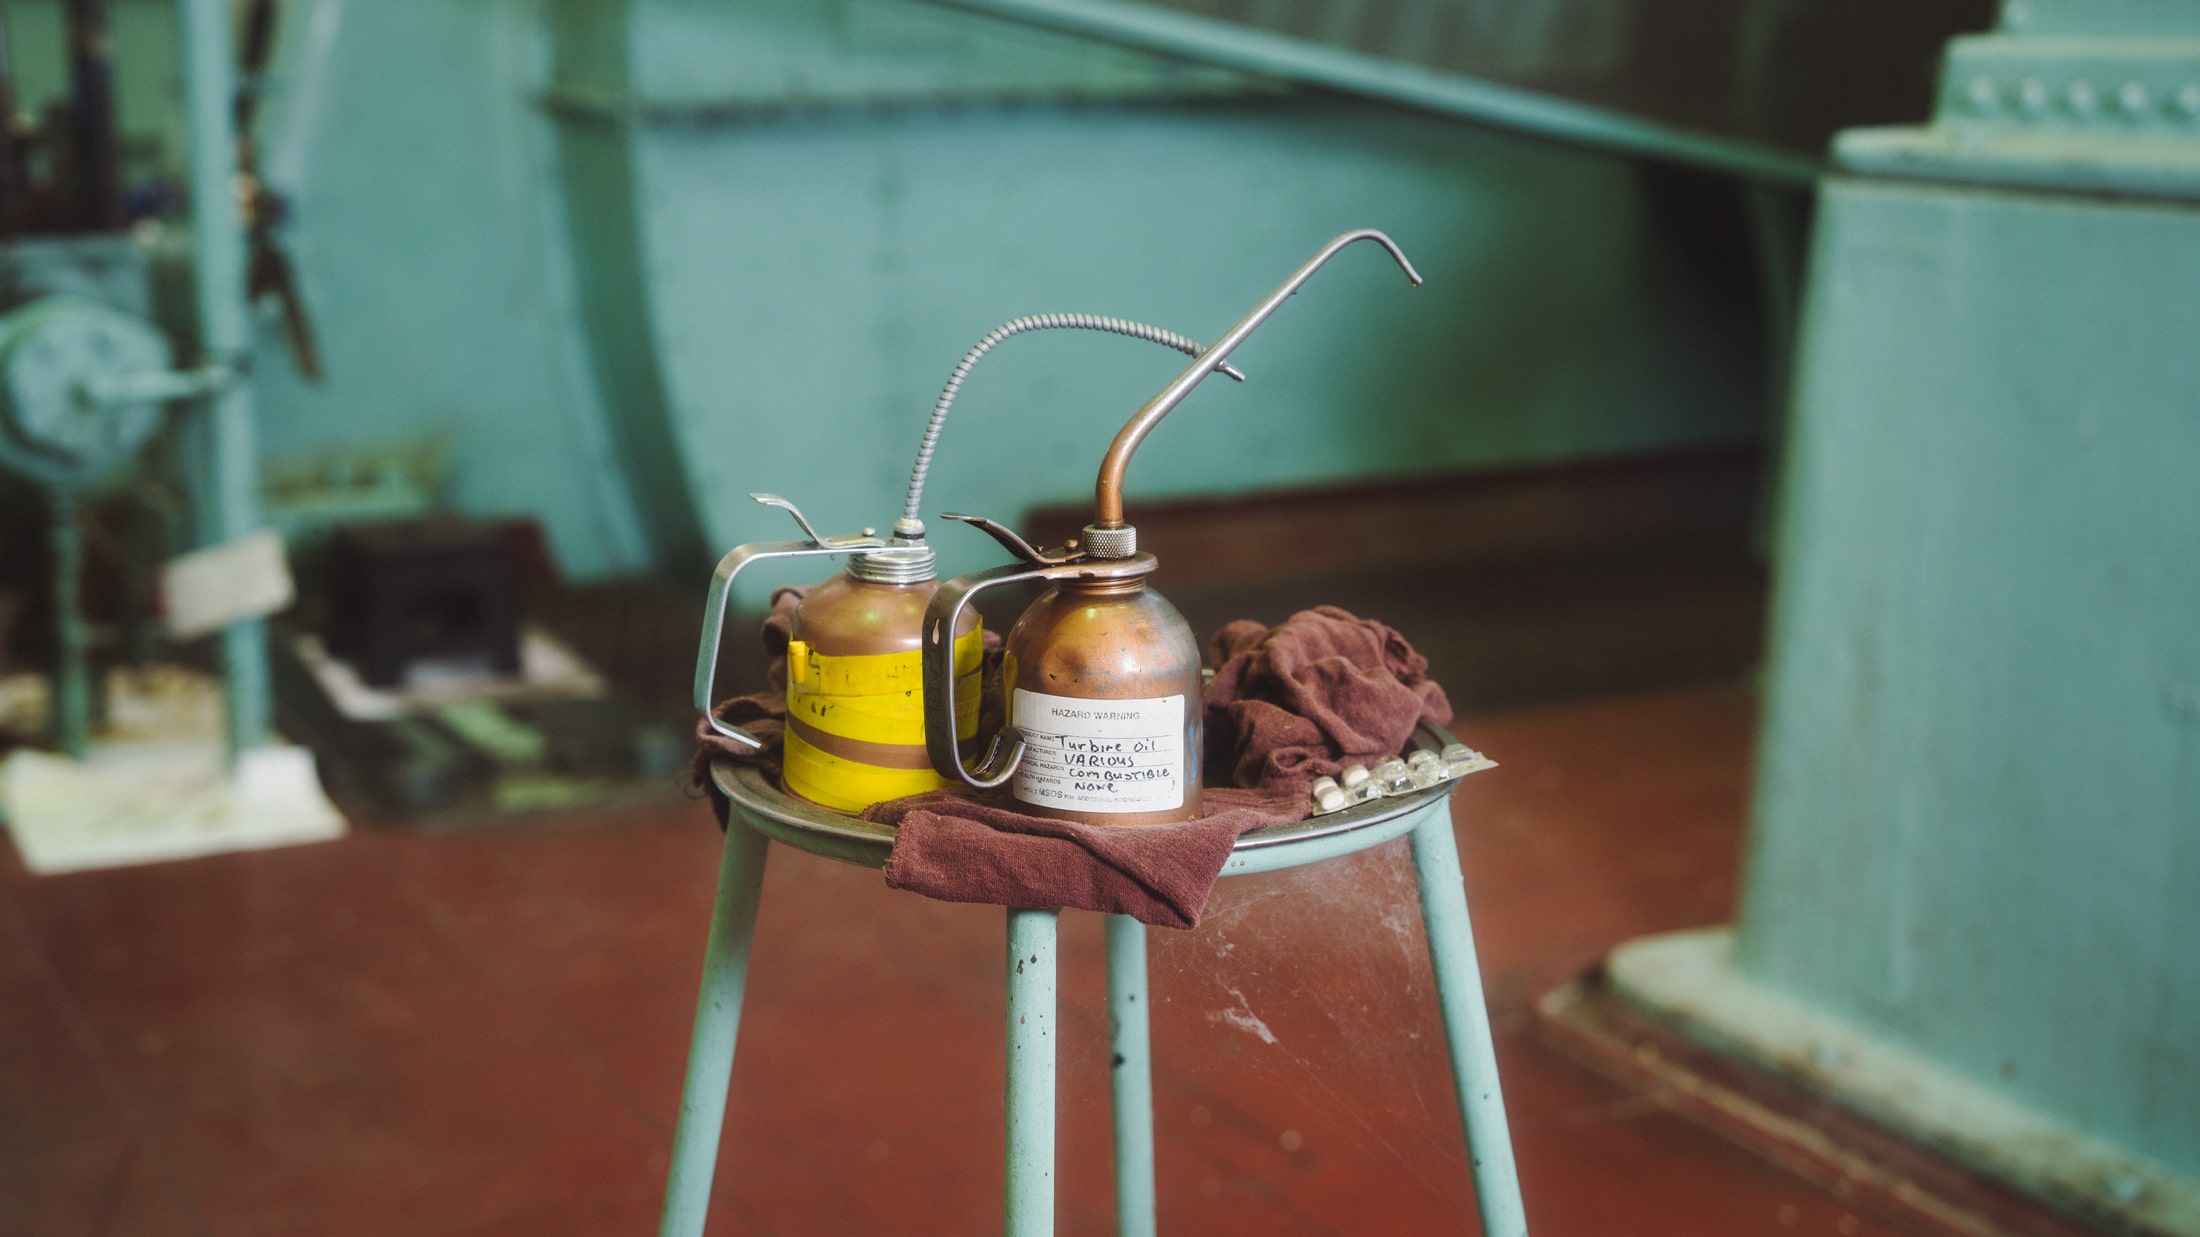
424, 590
421, 669
87, 372
269, 273
80, 377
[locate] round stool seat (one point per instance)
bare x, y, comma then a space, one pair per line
822, 831
758, 813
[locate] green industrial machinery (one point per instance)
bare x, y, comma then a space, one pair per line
1973, 884
74, 408
85, 375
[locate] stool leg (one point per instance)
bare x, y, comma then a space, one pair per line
717, 1020
1030, 1195
1467, 1025
1131, 1077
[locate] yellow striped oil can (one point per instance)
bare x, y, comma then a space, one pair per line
855, 685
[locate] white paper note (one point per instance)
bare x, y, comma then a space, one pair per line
1100, 755
207, 590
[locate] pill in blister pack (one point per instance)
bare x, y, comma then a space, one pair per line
1460, 760
1357, 784
1393, 776
1328, 796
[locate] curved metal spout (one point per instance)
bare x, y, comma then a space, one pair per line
1108, 491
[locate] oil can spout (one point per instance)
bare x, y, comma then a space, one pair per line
1108, 491
910, 527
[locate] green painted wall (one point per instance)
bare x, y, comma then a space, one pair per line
1978, 812
814, 271
433, 244
626, 262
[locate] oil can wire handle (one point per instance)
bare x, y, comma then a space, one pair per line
941, 617
1108, 489
714, 613
911, 523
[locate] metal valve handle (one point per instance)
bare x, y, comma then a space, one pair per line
721, 589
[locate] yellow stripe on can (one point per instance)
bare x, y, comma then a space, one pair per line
873, 674
894, 715
870, 698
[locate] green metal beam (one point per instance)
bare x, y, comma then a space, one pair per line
226, 493
1405, 85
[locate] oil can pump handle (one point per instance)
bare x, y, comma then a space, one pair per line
941, 618
1013, 542
721, 590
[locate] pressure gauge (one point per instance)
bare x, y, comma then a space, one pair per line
52, 351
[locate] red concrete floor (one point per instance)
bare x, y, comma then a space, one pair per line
482, 1032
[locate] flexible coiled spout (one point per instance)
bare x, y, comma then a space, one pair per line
911, 526
1108, 490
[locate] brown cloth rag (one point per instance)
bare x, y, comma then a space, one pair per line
1321, 691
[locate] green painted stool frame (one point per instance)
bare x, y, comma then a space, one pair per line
761, 813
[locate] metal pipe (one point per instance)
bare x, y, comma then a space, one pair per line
95, 148
1449, 95
15, 181
1467, 1025
154, 386
1030, 1073
1029, 1199
1130, 1076
70, 710
717, 1029
1108, 490
226, 494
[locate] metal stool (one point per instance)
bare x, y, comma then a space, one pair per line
761, 813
